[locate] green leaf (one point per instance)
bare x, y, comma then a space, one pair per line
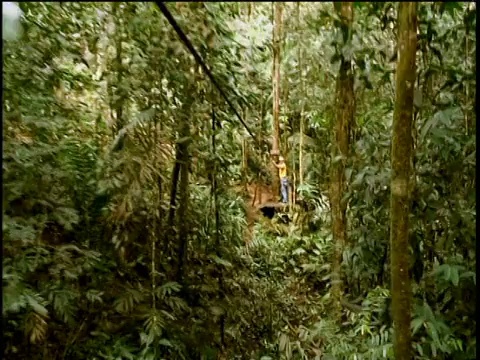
283, 341
433, 332
184, 139
170, 288
222, 262
430, 123
309, 267
416, 324
452, 6
454, 278
337, 159
447, 271
36, 306
299, 251
358, 179
417, 98
217, 310
360, 4
165, 342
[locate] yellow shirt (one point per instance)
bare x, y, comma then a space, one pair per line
282, 170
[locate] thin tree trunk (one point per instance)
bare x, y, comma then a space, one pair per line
466, 85
214, 193
345, 107
277, 18
157, 216
153, 236
118, 105
286, 147
245, 157
262, 117
401, 172
300, 150
159, 129
302, 87
170, 232
173, 188
179, 184
183, 200
244, 166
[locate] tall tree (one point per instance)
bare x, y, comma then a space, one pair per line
183, 160
401, 171
277, 26
345, 109
183, 163
118, 104
302, 87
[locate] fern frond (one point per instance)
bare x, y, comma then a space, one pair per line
154, 325
63, 304
35, 327
128, 300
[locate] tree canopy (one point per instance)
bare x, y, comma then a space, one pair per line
141, 214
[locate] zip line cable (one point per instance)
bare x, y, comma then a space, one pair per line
163, 8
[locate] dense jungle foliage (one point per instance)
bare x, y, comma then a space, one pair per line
129, 230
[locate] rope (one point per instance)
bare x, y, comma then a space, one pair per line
200, 61
163, 8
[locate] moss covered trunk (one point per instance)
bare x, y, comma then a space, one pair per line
277, 25
345, 109
401, 172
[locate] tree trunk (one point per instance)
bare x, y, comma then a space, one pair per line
302, 87
214, 193
245, 157
173, 188
183, 200
179, 185
118, 104
286, 147
345, 109
262, 117
401, 172
278, 9
467, 99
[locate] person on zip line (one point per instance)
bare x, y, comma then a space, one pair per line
282, 173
